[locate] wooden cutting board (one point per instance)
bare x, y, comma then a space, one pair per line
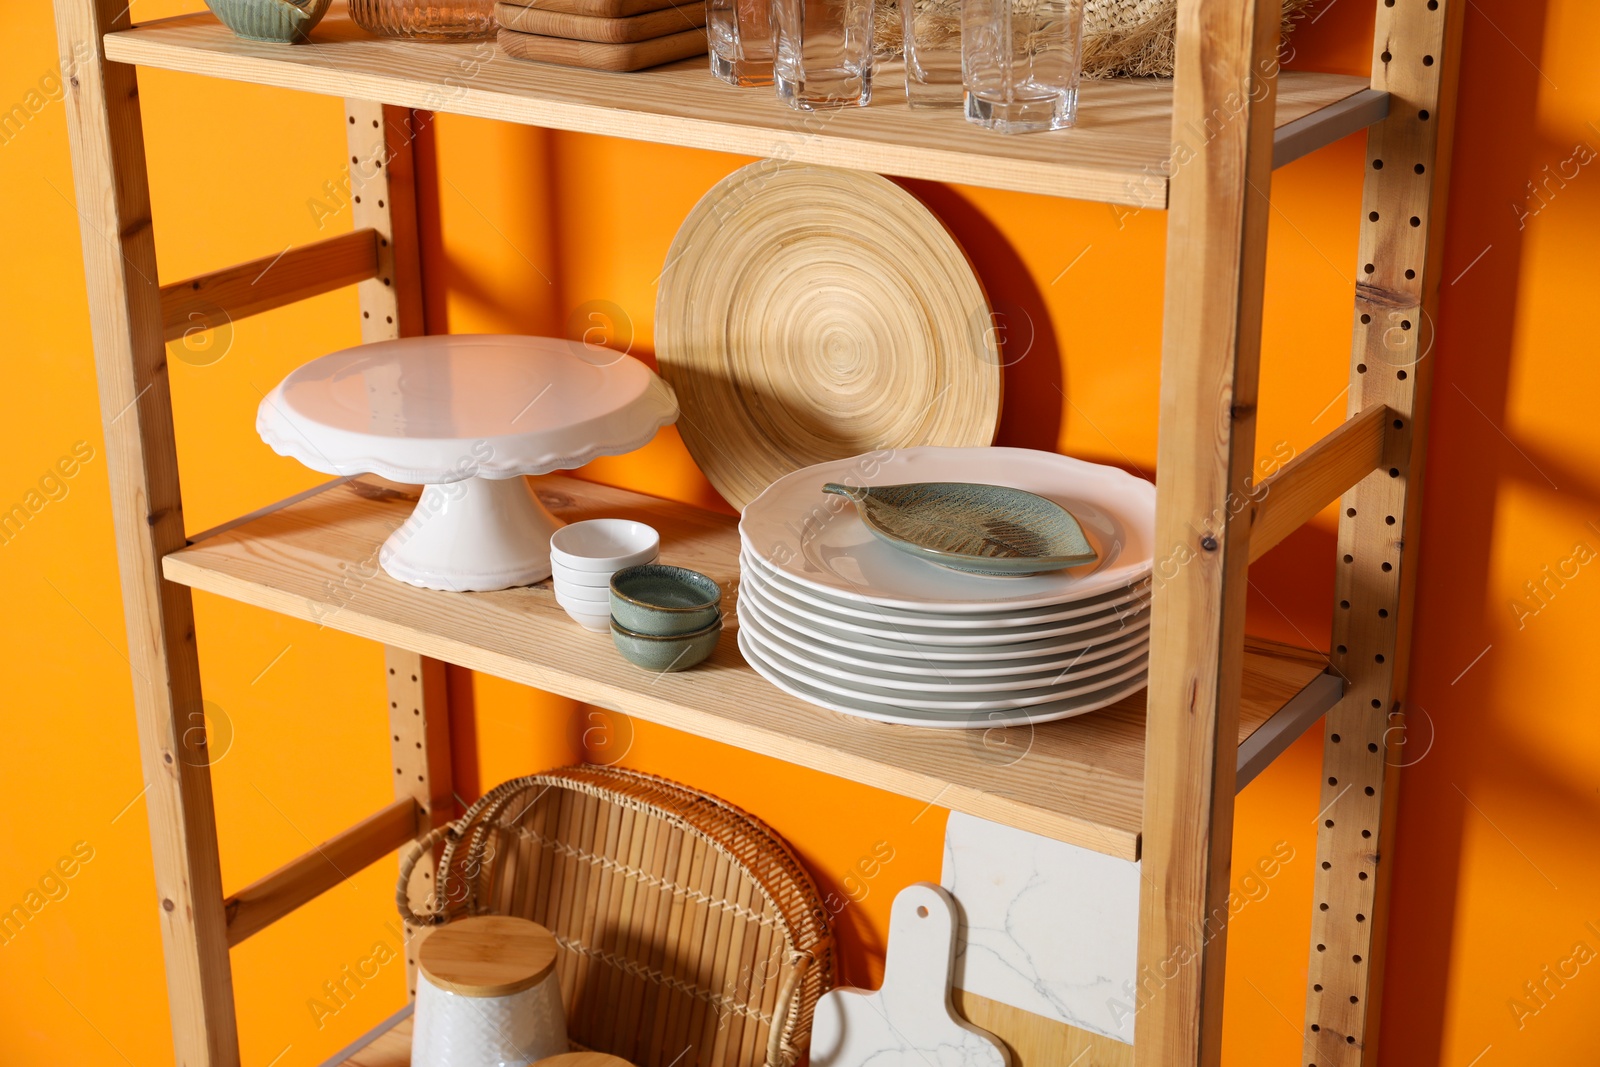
626, 30
609, 9
635, 55
910, 1021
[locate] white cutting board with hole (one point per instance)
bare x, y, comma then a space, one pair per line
910, 1021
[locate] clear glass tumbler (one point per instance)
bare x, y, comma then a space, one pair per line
741, 40
824, 53
933, 52
1021, 61
436, 20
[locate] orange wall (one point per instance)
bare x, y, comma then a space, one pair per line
1498, 874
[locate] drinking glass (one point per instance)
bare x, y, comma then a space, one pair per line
741, 40
932, 35
452, 20
824, 53
1020, 63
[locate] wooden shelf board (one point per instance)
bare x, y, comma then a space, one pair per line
1080, 780
386, 1045
1117, 154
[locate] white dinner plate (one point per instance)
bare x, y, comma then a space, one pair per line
876, 613
936, 684
905, 634
818, 540
1079, 651
917, 650
976, 720
997, 699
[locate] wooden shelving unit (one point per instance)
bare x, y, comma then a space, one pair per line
1152, 778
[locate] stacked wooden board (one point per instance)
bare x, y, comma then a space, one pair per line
602, 34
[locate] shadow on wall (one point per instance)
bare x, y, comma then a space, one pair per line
1031, 414
1472, 462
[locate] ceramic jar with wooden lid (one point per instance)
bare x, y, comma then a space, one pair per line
487, 995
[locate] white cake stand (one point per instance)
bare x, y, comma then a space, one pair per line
466, 417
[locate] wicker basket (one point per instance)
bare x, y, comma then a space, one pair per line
1121, 38
685, 925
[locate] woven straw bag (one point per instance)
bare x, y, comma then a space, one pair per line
1121, 38
684, 924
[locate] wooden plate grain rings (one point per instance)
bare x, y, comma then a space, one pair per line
810, 314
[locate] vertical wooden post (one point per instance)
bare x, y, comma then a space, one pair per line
383, 196
1216, 263
1415, 58
119, 255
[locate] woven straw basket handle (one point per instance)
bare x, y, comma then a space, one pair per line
800, 962
402, 897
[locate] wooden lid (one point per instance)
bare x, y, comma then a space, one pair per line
488, 956
582, 1059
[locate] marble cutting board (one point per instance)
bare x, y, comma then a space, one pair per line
1047, 927
910, 1021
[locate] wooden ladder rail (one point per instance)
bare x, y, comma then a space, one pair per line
1223, 111
108, 167
131, 318
1416, 51
383, 196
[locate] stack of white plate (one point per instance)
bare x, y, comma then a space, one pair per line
832, 614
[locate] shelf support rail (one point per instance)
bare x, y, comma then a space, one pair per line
1316, 478
210, 300
1416, 52
308, 876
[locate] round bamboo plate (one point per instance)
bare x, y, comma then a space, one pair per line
808, 314
688, 934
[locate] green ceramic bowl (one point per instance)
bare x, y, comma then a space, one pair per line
289, 21
662, 601
665, 654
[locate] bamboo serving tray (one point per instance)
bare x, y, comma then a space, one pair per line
605, 9
689, 933
633, 55
600, 29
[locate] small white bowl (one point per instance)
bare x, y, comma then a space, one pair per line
595, 598
563, 575
604, 545
587, 616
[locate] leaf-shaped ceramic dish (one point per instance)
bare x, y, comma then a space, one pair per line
288, 21
981, 529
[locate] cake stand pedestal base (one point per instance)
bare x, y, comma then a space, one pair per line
478, 534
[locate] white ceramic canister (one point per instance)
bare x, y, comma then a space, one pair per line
487, 995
